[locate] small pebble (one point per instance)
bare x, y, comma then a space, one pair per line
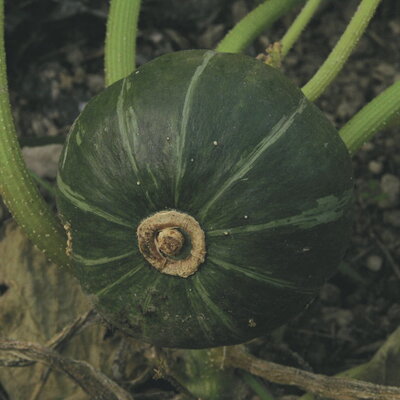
375, 167
386, 69
392, 218
368, 146
95, 82
340, 316
75, 56
390, 186
252, 323
156, 37
374, 263
43, 160
330, 294
395, 27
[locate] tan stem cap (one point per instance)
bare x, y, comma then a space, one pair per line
159, 237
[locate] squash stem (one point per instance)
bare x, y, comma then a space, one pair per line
378, 114
298, 25
120, 46
17, 187
261, 18
341, 52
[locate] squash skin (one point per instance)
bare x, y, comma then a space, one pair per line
233, 143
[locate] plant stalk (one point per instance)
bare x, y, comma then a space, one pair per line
254, 23
378, 114
321, 385
298, 25
120, 47
17, 187
341, 52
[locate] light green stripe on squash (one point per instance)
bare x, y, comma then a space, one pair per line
222, 316
127, 276
260, 276
185, 118
197, 309
246, 165
329, 209
102, 260
79, 201
124, 127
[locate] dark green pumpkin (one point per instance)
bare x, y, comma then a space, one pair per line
235, 145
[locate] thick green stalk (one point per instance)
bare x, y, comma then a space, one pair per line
254, 23
17, 188
341, 52
372, 118
120, 45
298, 25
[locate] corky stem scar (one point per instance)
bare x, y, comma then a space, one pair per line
170, 241
68, 230
161, 236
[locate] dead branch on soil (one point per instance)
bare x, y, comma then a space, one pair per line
57, 341
93, 382
324, 386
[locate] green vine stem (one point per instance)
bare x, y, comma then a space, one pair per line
17, 187
373, 117
298, 25
120, 47
341, 52
254, 23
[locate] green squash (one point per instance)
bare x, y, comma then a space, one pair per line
205, 199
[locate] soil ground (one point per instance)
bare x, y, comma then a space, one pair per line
55, 62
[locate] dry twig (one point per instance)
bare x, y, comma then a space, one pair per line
331, 387
97, 385
59, 339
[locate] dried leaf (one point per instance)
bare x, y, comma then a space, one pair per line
37, 300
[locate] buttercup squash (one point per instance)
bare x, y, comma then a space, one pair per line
206, 200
